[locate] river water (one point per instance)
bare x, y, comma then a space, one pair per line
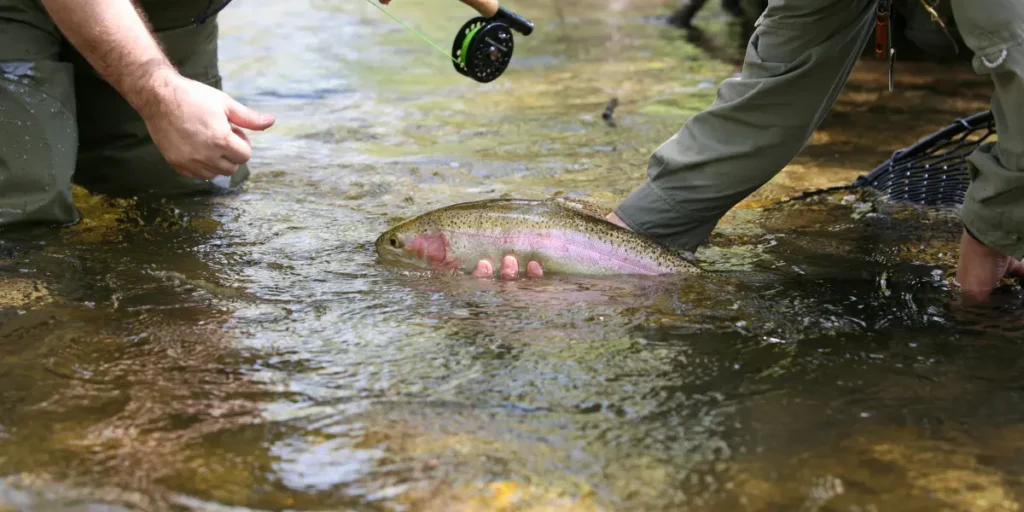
248, 352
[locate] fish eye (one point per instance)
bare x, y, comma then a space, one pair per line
394, 242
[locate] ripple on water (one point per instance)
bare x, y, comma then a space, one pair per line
249, 351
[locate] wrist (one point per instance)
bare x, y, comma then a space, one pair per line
150, 87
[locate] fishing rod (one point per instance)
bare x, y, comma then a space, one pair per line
483, 46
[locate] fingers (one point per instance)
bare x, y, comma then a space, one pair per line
246, 117
241, 134
208, 170
226, 167
484, 268
222, 155
533, 269
509, 269
196, 173
218, 167
238, 149
201, 133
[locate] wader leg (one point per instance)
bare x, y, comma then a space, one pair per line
117, 155
993, 210
797, 62
38, 135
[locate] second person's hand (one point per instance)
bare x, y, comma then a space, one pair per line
510, 264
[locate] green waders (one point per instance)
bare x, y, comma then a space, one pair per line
61, 123
993, 210
797, 62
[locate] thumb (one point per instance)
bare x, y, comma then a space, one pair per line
241, 115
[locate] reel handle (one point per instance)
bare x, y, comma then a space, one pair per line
491, 9
514, 21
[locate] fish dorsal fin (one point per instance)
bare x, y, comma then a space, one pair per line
579, 205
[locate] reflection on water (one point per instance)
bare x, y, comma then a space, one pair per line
248, 351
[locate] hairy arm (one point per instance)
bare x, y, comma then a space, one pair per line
114, 37
197, 128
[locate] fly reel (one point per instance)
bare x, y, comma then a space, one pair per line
482, 49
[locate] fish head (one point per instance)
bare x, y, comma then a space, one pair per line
391, 245
417, 244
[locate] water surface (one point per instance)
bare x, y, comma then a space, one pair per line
249, 353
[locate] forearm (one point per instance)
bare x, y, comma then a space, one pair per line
114, 38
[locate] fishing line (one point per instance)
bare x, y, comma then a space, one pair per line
410, 29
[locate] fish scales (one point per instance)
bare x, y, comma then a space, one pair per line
563, 236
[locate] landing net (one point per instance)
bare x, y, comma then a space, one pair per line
934, 171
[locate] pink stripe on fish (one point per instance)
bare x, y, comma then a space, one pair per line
572, 245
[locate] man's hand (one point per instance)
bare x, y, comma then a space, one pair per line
981, 268
197, 128
510, 265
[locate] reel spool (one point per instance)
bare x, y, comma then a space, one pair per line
483, 47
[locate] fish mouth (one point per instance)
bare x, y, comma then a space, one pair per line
393, 249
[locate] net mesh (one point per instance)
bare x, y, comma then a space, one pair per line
933, 172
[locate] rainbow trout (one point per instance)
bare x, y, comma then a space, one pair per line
564, 236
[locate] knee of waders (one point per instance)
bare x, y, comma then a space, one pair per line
38, 143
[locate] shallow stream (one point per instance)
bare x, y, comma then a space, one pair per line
249, 353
